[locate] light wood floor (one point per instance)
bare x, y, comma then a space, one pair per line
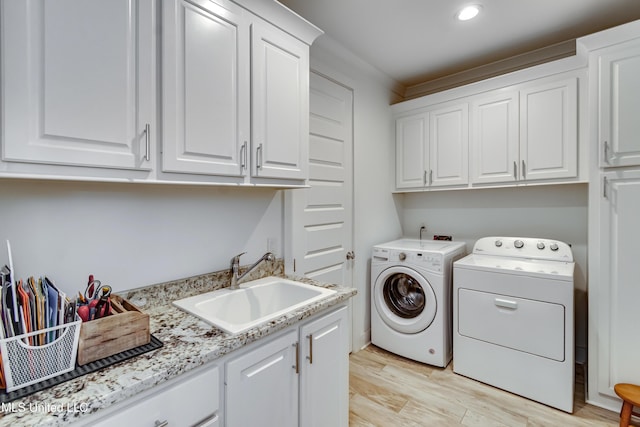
391, 391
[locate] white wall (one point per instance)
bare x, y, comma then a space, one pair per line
376, 218
132, 235
552, 211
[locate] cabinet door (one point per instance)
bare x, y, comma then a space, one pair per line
280, 103
549, 130
412, 151
205, 88
262, 385
494, 138
449, 146
615, 290
79, 82
619, 101
324, 380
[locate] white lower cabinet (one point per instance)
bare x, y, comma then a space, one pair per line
262, 385
300, 378
324, 377
614, 289
190, 401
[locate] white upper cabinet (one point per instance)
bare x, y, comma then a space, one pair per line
549, 130
519, 134
527, 134
78, 83
495, 151
280, 103
432, 148
205, 88
80, 98
235, 94
412, 151
618, 68
449, 146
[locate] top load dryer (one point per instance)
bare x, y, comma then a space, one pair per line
513, 317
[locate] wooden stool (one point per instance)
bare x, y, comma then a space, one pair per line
630, 394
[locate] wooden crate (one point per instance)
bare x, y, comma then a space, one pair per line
126, 328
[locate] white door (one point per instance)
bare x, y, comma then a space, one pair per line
78, 82
322, 215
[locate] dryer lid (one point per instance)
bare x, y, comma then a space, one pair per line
520, 266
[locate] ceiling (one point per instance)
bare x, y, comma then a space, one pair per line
417, 41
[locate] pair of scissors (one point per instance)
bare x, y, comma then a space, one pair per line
92, 288
103, 307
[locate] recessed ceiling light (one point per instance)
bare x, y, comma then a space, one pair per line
468, 12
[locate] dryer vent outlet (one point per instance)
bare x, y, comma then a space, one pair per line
442, 237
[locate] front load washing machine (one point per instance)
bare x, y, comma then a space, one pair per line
513, 317
411, 285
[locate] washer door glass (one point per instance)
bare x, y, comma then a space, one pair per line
404, 300
403, 295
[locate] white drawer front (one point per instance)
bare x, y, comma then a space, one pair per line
526, 325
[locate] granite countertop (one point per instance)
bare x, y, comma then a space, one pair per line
188, 343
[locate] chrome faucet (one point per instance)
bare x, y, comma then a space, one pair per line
235, 267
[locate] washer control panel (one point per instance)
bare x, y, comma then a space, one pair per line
524, 247
428, 260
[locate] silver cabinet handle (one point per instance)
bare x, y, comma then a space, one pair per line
351, 255
524, 170
504, 303
310, 356
424, 178
296, 367
243, 156
605, 182
430, 177
259, 157
515, 170
147, 141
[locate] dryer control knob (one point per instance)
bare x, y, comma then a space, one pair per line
402, 256
554, 247
541, 245
518, 244
498, 243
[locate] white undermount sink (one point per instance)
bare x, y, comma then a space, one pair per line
254, 303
